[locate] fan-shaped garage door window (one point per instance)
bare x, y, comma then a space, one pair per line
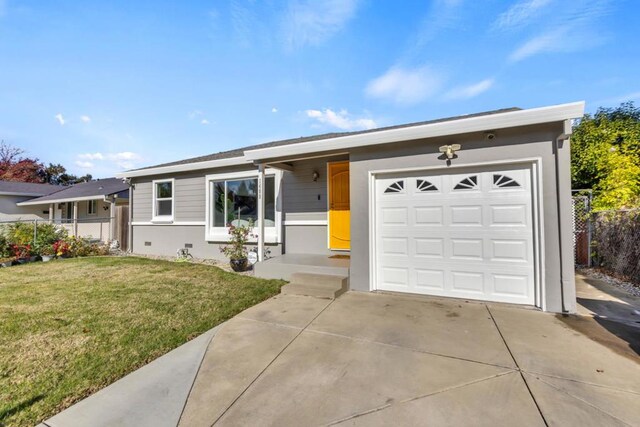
424, 186
469, 183
503, 181
396, 187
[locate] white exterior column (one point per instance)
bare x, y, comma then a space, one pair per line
51, 212
260, 213
75, 219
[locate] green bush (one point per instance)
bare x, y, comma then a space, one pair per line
81, 247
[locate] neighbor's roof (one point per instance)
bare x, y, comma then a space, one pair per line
12, 188
84, 191
489, 120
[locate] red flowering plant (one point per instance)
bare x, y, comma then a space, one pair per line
61, 248
21, 251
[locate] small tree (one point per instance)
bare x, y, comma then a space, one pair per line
605, 156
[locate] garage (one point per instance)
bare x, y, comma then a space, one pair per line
464, 233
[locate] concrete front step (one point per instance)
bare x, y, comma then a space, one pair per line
316, 285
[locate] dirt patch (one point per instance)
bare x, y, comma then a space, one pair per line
618, 337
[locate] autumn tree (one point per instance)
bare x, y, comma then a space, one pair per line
605, 156
15, 167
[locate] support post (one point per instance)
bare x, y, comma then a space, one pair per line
261, 212
112, 220
51, 212
75, 219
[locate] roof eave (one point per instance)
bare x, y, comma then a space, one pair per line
554, 113
186, 167
533, 116
64, 200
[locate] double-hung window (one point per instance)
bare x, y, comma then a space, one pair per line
92, 207
163, 200
232, 200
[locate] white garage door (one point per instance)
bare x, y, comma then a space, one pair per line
464, 235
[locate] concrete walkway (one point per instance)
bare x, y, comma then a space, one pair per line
380, 359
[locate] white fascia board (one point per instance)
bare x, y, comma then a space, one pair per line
211, 164
72, 199
8, 193
508, 119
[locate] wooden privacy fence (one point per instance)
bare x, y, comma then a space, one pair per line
122, 226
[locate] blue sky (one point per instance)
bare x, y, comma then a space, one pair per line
106, 86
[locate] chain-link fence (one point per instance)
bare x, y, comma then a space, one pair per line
616, 242
581, 217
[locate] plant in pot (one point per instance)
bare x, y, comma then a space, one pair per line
6, 255
47, 253
22, 253
236, 250
61, 248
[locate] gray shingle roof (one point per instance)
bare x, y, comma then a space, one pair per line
240, 151
102, 187
28, 188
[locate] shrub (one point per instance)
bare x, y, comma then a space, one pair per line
81, 247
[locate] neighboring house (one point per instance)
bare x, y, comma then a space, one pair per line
493, 222
12, 193
87, 209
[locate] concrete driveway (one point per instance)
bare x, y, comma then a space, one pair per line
379, 359
375, 359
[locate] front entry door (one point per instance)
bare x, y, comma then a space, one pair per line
339, 206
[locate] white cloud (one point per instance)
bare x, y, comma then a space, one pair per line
470, 91
309, 22
194, 114
91, 156
405, 86
84, 164
204, 122
274, 110
520, 13
60, 118
341, 119
124, 155
573, 28
85, 119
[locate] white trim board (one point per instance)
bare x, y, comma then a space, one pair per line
176, 223
69, 200
306, 222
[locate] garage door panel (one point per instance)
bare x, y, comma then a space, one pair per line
429, 247
396, 276
467, 249
430, 216
466, 215
451, 235
429, 279
395, 246
467, 282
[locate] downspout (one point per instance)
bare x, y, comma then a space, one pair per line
130, 225
566, 276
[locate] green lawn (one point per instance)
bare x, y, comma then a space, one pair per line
71, 327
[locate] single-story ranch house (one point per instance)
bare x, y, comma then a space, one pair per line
474, 207
12, 193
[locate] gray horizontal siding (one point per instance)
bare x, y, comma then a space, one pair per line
301, 192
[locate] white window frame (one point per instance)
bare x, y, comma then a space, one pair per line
221, 234
91, 203
154, 206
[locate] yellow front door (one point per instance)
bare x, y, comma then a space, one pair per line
339, 206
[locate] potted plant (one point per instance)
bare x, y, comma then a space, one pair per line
47, 253
22, 253
236, 250
61, 249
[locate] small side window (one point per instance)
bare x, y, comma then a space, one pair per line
92, 207
163, 200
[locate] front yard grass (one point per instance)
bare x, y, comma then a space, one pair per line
71, 327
